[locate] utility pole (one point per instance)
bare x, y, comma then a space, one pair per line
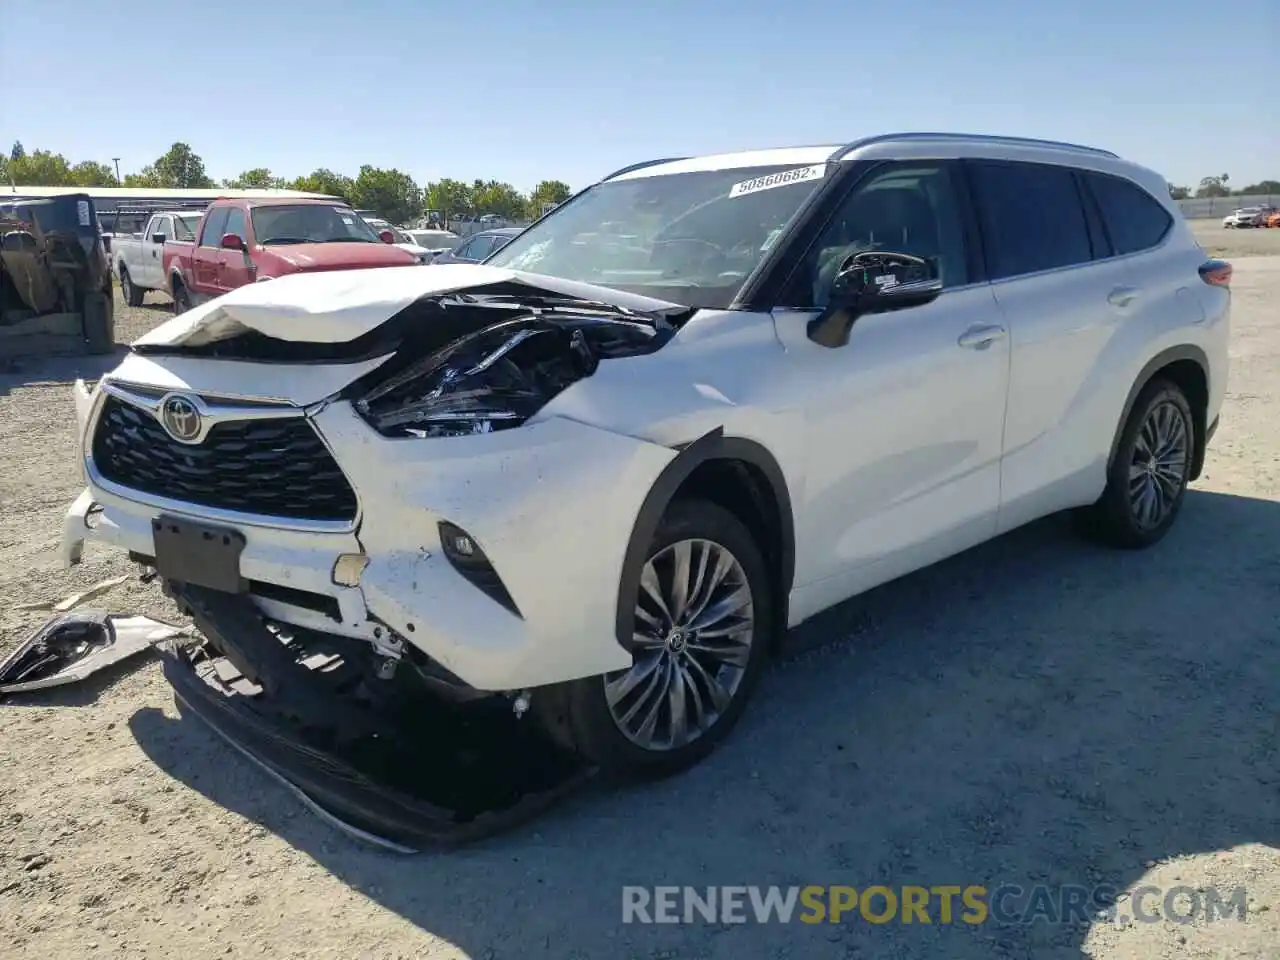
116, 160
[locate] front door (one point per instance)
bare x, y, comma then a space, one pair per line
905, 421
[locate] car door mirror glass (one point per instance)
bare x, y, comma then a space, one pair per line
157, 238
874, 281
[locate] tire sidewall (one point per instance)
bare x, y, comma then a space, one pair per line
595, 733
1118, 509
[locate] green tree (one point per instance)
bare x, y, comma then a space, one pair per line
1262, 186
324, 181
146, 178
180, 167
1214, 187
1179, 193
259, 178
391, 193
40, 168
90, 173
548, 191
450, 197
491, 196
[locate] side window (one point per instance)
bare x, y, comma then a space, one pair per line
1134, 219
215, 222
478, 248
160, 227
1032, 217
904, 208
235, 223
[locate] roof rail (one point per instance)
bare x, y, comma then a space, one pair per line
641, 166
983, 137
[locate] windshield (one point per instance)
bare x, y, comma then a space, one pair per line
310, 223
689, 238
434, 239
184, 228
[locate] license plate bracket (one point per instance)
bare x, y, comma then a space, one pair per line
198, 553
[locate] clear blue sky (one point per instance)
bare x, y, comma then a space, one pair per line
570, 90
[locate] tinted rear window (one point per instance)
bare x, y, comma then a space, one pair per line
1134, 219
1032, 217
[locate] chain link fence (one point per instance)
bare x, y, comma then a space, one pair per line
1204, 207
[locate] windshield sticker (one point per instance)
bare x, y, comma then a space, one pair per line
781, 179
82, 212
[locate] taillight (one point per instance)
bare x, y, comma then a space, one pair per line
1216, 273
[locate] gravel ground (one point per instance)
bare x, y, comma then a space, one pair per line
1036, 710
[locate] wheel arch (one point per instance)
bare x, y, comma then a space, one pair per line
1188, 367
759, 479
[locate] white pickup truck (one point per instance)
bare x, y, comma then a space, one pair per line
138, 258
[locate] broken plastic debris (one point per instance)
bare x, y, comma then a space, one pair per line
71, 646
61, 606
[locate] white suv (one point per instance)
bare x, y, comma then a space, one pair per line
1244, 217
602, 473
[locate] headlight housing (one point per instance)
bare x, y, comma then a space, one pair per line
491, 380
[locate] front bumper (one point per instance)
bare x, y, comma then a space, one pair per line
552, 504
404, 772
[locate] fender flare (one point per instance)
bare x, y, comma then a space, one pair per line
1160, 360
713, 445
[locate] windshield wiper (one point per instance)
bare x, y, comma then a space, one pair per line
285, 240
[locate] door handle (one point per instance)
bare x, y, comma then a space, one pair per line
981, 337
1122, 296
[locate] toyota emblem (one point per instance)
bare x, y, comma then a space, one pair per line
180, 417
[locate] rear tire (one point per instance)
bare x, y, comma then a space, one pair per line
1147, 480
133, 296
694, 668
181, 299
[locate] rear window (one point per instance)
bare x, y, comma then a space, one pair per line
1032, 217
1135, 220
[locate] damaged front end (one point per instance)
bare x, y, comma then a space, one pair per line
503, 373
366, 751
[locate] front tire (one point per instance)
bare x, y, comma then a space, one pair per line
1147, 481
181, 299
704, 617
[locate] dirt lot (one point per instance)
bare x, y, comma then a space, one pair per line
1035, 711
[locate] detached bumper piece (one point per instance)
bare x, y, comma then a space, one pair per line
382, 759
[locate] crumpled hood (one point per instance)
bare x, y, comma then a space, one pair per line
330, 256
339, 306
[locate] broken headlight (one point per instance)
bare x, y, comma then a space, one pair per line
490, 380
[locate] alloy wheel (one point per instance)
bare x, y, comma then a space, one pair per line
694, 627
1158, 469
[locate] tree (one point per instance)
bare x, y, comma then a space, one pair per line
90, 173
146, 178
490, 196
1262, 186
324, 181
39, 169
180, 167
1214, 187
390, 193
449, 197
1179, 193
259, 178
548, 191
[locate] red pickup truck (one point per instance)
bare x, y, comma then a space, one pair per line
244, 241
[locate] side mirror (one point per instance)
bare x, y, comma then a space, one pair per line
386, 236
157, 238
874, 281
232, 241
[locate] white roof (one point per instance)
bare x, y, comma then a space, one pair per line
162, 193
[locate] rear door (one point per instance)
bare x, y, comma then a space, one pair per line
1063, 301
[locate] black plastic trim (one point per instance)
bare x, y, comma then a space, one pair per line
713, 445
985, 138
1160, 360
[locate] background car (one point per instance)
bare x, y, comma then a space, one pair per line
434, 241
1243, 218
479, 245
402, 239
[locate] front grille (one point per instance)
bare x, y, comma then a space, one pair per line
273, 467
